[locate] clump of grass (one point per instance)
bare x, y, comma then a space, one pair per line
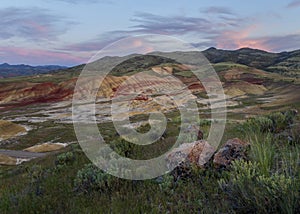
91, 178
166, 183
273, 123
251, 191
263, 151
64, 159
262, 124
269, 181
295, 134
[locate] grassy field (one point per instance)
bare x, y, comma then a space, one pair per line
65, 181
268, 181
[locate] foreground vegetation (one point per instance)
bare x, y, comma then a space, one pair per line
268, 181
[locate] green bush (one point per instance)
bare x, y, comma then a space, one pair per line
35, 173
65, 159
262, 124
250, 191
280, 121
166, 183
295, 134
288, 161
91, 178
291, 115
263, 151
274, 122
122, 147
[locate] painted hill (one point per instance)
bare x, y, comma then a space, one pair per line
243, 72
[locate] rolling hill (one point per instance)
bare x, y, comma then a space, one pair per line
7, 70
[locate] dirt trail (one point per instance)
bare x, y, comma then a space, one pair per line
22, 154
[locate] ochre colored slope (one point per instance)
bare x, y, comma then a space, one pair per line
9, 129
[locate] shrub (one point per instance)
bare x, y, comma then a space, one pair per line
122, 147
262, 151
91, 178
166, 183
290, 115
36, 175
295, 134
261, 124
204, 122
280, 121
288, 161
274, 122
65, 159
250, 191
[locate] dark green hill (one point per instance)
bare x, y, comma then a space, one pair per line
286, 63
7, 70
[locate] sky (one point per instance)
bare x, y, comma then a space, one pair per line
70, 32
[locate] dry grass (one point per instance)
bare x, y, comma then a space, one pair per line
46, 147
7, 160
9, 129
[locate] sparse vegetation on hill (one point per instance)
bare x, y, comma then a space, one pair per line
267, 181
255, 169
7, 70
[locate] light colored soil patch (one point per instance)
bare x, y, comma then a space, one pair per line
46, 147
242, 88
9, 129
7, 160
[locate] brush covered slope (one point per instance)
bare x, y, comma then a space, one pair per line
262, 175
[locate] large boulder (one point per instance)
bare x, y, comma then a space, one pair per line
233, 149
197, 153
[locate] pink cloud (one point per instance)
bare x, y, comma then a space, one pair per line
128, 46
42, 29
241, 39
17, 55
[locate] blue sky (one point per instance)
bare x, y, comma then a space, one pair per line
69, 32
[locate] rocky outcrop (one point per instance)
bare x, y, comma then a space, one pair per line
200, 152
233, 149
197, 153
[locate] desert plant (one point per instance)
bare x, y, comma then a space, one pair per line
36, 174
122, 147
295, 134
274, 122
166, 183
261, 124
64, 159
262, 151
91, 178
250, 191
280, 121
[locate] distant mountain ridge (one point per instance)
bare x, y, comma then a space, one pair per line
286, 63
7, 70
